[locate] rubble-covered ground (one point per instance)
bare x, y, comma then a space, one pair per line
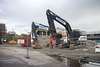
86, 51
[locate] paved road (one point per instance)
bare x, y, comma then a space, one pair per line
53, 63
15, 57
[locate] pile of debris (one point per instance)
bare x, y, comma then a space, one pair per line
90, 46
42, 42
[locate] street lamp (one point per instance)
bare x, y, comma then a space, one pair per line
27, 56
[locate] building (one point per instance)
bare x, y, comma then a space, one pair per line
42, 31
93, 35
60, 30
3, 31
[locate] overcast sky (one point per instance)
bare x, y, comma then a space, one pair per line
18, 15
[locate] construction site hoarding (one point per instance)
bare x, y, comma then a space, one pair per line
27, 41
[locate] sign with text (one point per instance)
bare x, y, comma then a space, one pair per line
20, 41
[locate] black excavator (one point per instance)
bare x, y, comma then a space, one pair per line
72, 35
34, 33
35, 27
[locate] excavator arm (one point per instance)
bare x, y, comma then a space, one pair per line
51, 16
34, 30
34, 33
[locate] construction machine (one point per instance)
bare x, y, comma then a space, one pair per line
35, 27
72, 35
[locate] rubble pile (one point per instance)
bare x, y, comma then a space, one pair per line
90, 46
43, 40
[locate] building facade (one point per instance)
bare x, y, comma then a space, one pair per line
93, 35
3, 31
46, 32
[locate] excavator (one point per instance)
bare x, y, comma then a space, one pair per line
35, 27
72, 35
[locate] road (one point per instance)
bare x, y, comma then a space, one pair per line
38, 57
14, 56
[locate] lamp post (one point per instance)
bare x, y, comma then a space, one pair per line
27, 56
81, 57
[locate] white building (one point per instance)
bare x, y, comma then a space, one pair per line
60, 30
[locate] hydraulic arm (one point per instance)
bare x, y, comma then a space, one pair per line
51, 16
34, 30
34, 33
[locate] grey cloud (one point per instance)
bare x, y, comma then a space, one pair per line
76, 12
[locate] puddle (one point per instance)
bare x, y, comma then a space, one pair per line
77, 63
10, 61
74, 62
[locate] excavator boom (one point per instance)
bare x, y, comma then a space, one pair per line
72, 35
